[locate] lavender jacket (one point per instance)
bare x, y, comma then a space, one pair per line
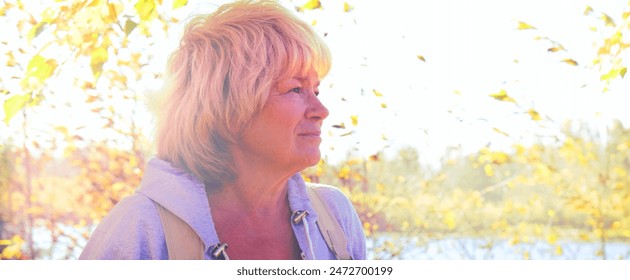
132, 230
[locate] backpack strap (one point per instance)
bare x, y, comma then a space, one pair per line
329, 226
182, 242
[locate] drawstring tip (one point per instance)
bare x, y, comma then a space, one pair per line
298, 216
219, 250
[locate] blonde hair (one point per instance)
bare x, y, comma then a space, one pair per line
220, 76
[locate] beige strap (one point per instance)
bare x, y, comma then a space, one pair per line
329, 226
182, 242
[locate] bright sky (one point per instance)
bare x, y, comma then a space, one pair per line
472, 49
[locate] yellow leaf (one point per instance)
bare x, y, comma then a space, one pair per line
35, 31
383, 105
588, 10
570, 61
556, 49
179, 3
113, 14
422, 58
355, 120
130, 25
377, 93
341, 125
523, 26
552, 238
613, 73
559, 250
534, 114
14, 105
502, 96
500, 132
347, 7
98, 58
311, 5
488, 170
145, 9
449, 220
11, 60
39, 69
3, 9
608, 20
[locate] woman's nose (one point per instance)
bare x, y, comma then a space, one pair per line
316, 109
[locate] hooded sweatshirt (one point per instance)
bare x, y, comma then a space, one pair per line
133, 230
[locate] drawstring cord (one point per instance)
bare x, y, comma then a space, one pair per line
300, 216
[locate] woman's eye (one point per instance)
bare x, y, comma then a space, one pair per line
296, 90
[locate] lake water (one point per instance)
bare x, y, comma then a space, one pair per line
491, 249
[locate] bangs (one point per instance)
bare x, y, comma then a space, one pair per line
301, 54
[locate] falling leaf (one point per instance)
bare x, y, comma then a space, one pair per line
502, 96
570, 61
13, 105
500, 132
374, 157
130, 25
347, 7
613, 73
179, 3
145, 9
534, 115
347, 133
422, 58
91, 98
98, 58
341, 125
377, 93
608, 20
40, 69
588, 10
556, 49
11, 60
311, 5
524, 26
383, 105
35, 31
355, 120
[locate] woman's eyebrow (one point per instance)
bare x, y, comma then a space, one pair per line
303, 79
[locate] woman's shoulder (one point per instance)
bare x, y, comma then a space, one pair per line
343, 210
332, 196
131, 230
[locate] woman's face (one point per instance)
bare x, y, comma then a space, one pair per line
286, 133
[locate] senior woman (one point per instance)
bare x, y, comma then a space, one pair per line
239, 119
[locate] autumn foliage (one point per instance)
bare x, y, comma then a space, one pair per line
74, 143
